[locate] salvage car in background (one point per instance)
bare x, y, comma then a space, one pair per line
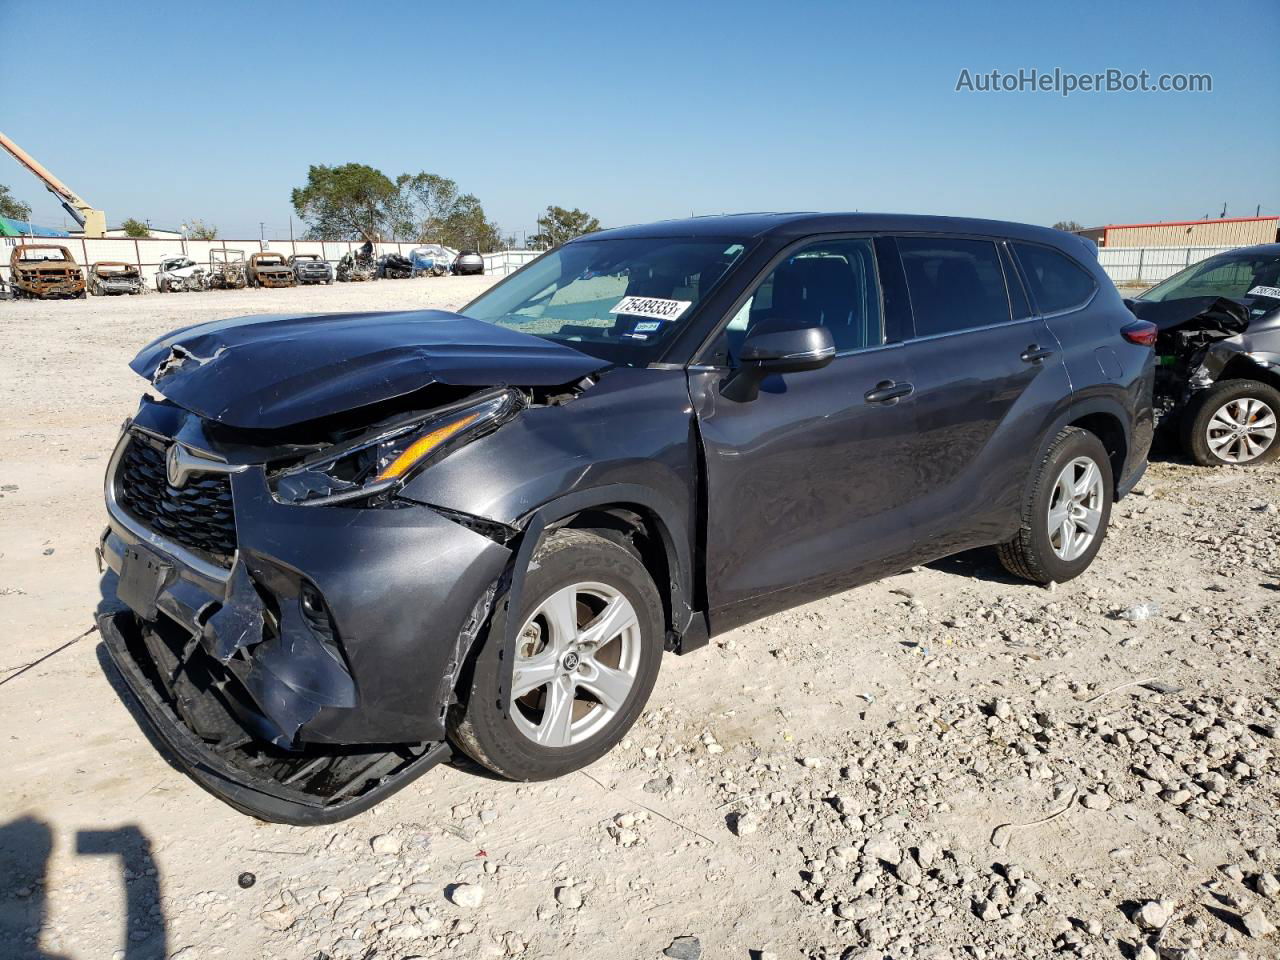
227, 270
468, 263
1218, 384
111, 277
44, 271
179, 274
394, 266
309, 268
269, 269
431, 259
341, 546
357, 265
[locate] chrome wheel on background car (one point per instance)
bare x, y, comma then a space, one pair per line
576, 661
1233, 424
1075, 508
1241, 430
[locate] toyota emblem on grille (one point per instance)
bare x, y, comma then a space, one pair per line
174, 471
180, 463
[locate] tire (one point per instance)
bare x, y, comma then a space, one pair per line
1246, 403
505, 742
1041, 552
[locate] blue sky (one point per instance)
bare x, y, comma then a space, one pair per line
172, 111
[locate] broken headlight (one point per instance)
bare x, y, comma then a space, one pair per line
382, 460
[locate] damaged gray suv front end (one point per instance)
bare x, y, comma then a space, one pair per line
261, 545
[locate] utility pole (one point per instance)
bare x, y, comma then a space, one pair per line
262, 234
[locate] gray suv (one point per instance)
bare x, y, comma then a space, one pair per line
342, 547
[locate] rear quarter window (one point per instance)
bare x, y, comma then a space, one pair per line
1057, 282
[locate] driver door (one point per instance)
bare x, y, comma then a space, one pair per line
805, 482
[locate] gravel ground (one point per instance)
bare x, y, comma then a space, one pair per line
947, 764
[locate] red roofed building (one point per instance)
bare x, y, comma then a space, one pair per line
1222, 232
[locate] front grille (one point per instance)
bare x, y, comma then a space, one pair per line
199, 515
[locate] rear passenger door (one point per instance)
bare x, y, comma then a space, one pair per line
988, 375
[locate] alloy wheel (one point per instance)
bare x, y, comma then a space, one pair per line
1241, 430
577, 658
1075, 508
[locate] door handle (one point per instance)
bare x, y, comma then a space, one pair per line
1035, 353
888, 391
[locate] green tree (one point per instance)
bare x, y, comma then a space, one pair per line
465, 226
1070, 226
350, 202
199, 230
135, 228
423, 202
559, 225
12, 207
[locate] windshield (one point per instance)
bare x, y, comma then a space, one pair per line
620, 300
1230, 275
35, 254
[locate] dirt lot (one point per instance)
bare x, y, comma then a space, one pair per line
832, 782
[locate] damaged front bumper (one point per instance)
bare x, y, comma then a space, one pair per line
305, 673
114, 286
275, 278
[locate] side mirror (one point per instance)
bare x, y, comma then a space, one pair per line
771, 350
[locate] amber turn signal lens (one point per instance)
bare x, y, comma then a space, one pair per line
423, 446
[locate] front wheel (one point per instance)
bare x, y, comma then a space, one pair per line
1233, 424
586, 657
1065, 517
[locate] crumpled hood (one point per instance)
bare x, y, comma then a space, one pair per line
271, 371
1228, 317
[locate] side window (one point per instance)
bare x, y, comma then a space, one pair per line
955, 284
832, 283
1057, 282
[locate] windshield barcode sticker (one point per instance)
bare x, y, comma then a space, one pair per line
654, 307
1272, 292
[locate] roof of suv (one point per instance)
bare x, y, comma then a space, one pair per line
752, 225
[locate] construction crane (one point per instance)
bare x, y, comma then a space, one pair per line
92, 221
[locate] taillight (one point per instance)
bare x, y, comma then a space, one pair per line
1141, 332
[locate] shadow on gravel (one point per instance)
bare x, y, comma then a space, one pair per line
25, 848
981, 564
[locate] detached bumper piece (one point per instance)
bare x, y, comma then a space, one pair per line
199, 708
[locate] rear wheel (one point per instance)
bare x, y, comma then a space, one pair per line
1064, 520
1233, 424
586, 657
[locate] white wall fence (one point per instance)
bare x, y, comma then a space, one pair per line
1127, 266
1144, 266
147, 253
508, 261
